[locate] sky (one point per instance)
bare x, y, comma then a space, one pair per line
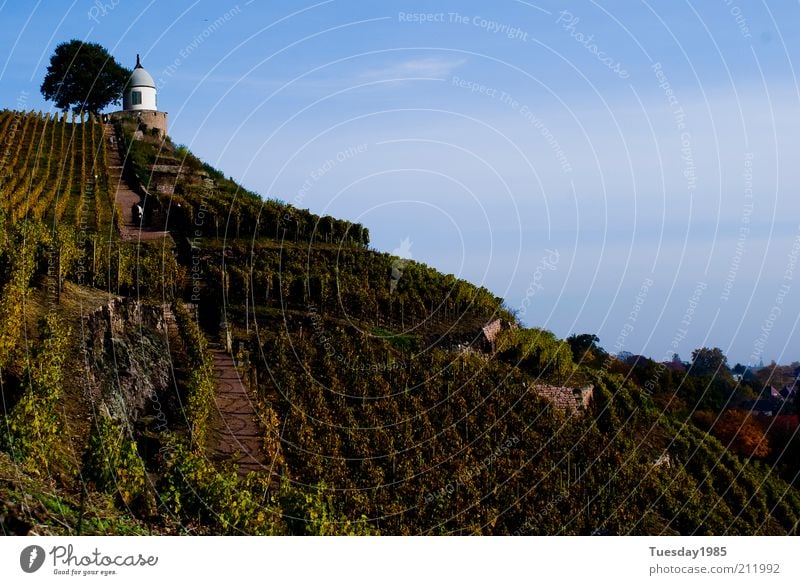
621, 168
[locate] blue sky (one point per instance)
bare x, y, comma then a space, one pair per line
649, 147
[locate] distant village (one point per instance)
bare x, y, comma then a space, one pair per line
772, 388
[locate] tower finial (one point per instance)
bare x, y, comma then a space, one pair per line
138, 64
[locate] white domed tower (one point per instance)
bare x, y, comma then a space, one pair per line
139, 101
140, 93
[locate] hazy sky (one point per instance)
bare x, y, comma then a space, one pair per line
625, 168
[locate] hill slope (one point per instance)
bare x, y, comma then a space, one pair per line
384, 406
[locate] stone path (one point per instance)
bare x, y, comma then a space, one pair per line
125, 197
238, 436
236, 433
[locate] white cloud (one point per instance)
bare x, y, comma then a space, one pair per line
430, 67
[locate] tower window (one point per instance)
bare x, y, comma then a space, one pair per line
136, 98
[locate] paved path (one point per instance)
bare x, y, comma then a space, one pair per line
125, 197
238, 436
236, 433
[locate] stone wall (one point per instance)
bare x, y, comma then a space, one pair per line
490, 332
568, 400
149, 118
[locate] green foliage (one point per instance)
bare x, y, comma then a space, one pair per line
66, 253
709, 362
83, 76
313, 512
28, 501
217, 207
55, 170
536, 351
350, 284
715, 492
24, 246
195, 489
377, 414
33, 427
585, 349
704, 489
201, 387
145, 269
403, 342
387, 433
112, 463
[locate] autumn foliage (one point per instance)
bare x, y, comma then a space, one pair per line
739, 430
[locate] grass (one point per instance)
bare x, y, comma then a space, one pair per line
402, 342
33, 505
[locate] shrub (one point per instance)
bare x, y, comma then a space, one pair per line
112, 463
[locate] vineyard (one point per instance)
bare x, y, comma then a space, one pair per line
54, 169
384, 410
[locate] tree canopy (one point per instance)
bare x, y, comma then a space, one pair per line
84, 77
585, 347
710, 362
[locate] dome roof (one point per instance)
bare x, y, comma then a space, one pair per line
140, 77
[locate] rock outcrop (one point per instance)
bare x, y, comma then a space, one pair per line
127, 358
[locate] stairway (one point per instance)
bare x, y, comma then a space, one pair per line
125, 197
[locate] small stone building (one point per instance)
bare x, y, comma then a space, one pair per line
139, 101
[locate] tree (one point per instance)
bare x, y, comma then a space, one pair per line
83, 76
742, 433
709, 362
585, 348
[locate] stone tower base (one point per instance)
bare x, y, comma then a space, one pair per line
149, 118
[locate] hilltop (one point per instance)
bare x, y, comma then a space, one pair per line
229, 364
